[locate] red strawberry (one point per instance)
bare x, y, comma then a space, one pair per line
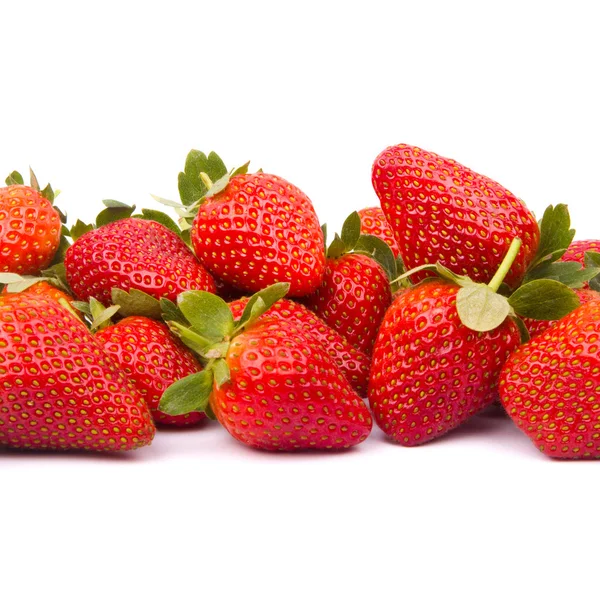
267, 382
146, 351
442, 211
429, 371
260, 229
549, 386
135, 254
58, 389
30, 230
43, 288
576, 251
353, 363
373, 222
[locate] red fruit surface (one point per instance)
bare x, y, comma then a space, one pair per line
153, 359
550, 386
373, 222
536, 327
353, 363
58, 388
43, 288
29, 230
133, 254
286, 393
440, 210
429, 372
352, 298
260, 230
576, 252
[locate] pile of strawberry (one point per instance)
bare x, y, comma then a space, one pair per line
448, 297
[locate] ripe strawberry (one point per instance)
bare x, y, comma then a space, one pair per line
549, 386
353, 363
30, 228
131, 254
373, 222
441, 211
146, 351
429, 371
267, 382
577, 249
43, 288
260, 229
58, 389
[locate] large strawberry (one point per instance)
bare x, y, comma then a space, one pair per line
355, 291
132, 254
441, 211
148, 353
549, 386
30, 227
442, 344
58, 388
267, 382
353, 363
373, 222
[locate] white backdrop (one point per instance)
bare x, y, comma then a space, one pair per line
105, 99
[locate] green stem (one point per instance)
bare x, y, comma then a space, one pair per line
413, 271
506, 264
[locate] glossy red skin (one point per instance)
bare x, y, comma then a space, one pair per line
352, 298
146, 351
285, 393
549, 386
429, 372
442, 211
260, 230
373, 222
536, 327
133, 253
58, 388
353, 363
29, 230
576, 252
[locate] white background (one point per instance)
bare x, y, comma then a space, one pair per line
105, 99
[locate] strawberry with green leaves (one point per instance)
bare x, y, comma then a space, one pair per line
355, 291
58, 388
373, 222
441, 211
266, 381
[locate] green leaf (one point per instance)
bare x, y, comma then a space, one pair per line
570, 273
592, 259
101, 316
209, 315
190, 190
80, 228
324, 230
221, 371
377, 249
15, 178
170, 312
18, 283
159, 217
240, 170
49, 194
555, 234
114, 211
136, 302
190, 394
544, 299
194, 341
33, 181
115, 204
480, 308
523, 331
351, 231
337, 247
83, 307
58, 275
260, 302
61, 214
218, 186
63, 246
166, 202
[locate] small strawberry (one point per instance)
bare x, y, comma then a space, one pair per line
353, 363
441, 211
442, 344
549, 386
373, 222
30, 227
355, 291
268, 383
148, 353
131, 254
58, 388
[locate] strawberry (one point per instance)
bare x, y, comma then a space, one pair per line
577, 250
58, 388
355, 291
373, 222
549, 386
152, 358
268, 383
353, 363
441, 211
43, 288
30, 227
133, 254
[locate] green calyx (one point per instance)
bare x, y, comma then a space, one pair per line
54, 275
98, 316
205, 324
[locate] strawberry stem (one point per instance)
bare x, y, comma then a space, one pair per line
206, 180
506, 264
